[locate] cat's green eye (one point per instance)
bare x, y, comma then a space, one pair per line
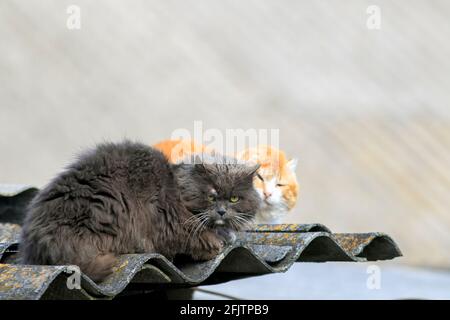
234, 199
211, 198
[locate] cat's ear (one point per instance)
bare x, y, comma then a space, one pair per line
292, 164
251, 171
203, 168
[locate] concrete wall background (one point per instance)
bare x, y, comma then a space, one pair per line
366, 112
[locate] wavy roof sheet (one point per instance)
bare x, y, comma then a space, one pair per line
265, 249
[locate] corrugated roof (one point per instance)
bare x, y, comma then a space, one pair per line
266, 249
255, 253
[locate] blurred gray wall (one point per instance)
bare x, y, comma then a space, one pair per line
365, 111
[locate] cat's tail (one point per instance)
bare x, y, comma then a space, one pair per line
100, 267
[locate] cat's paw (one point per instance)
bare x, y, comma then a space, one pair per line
212, 245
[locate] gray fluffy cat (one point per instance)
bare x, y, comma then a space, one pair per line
127, 198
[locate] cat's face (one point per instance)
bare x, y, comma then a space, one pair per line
277, 186
275, 182
220, 195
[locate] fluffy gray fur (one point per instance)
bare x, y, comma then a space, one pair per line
127, 198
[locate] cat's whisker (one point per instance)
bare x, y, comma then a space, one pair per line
188, 220
242, 225
201, 219
239, 218
249, 217
243, 216
196, 219
245, 223
203, 225
237, 224
191, 226
189, 229
242, 220
193, 218
199, 226
190, 223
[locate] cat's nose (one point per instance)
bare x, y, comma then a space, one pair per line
267, 194
221, 211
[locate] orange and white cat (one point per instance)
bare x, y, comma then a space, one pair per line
276, 181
